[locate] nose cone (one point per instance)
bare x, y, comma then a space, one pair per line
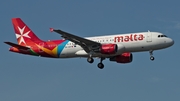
170, 42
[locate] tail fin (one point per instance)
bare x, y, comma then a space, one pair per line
23, 33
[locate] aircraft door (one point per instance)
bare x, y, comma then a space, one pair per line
149, 36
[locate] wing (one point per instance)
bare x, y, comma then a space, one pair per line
17, 46
86, 44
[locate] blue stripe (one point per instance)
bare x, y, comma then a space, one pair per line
61, 47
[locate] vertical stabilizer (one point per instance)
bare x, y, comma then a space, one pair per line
23, 33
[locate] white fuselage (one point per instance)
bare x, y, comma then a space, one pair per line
132, 42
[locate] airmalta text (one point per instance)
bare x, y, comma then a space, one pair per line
127, 38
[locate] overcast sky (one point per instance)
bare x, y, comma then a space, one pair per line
30, 78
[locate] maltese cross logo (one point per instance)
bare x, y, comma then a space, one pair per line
21, 35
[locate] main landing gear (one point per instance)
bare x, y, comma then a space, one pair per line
151, 55
100, 65
90, 59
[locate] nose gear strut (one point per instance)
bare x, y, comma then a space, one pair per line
151, 55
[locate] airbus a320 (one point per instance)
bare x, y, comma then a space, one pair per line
117, 48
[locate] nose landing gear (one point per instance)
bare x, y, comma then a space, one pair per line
151, 55
152, 58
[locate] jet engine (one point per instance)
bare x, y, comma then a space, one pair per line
108, 48
123, 58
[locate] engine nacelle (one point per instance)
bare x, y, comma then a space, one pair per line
108, 48
123, 58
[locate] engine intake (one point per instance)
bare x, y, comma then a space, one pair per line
108, 49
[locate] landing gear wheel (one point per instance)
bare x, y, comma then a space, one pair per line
101, 65
90, 60
151, 55
152, 58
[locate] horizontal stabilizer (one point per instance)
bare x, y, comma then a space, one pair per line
17, 46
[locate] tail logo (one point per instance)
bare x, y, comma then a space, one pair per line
22, 34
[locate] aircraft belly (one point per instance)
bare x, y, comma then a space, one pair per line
136, 46
143, 46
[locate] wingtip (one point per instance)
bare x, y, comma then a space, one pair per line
6, 42
51, 29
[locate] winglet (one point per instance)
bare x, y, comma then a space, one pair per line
51, 29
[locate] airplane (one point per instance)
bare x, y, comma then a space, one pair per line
117, 48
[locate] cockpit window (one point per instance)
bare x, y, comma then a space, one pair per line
162, 36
